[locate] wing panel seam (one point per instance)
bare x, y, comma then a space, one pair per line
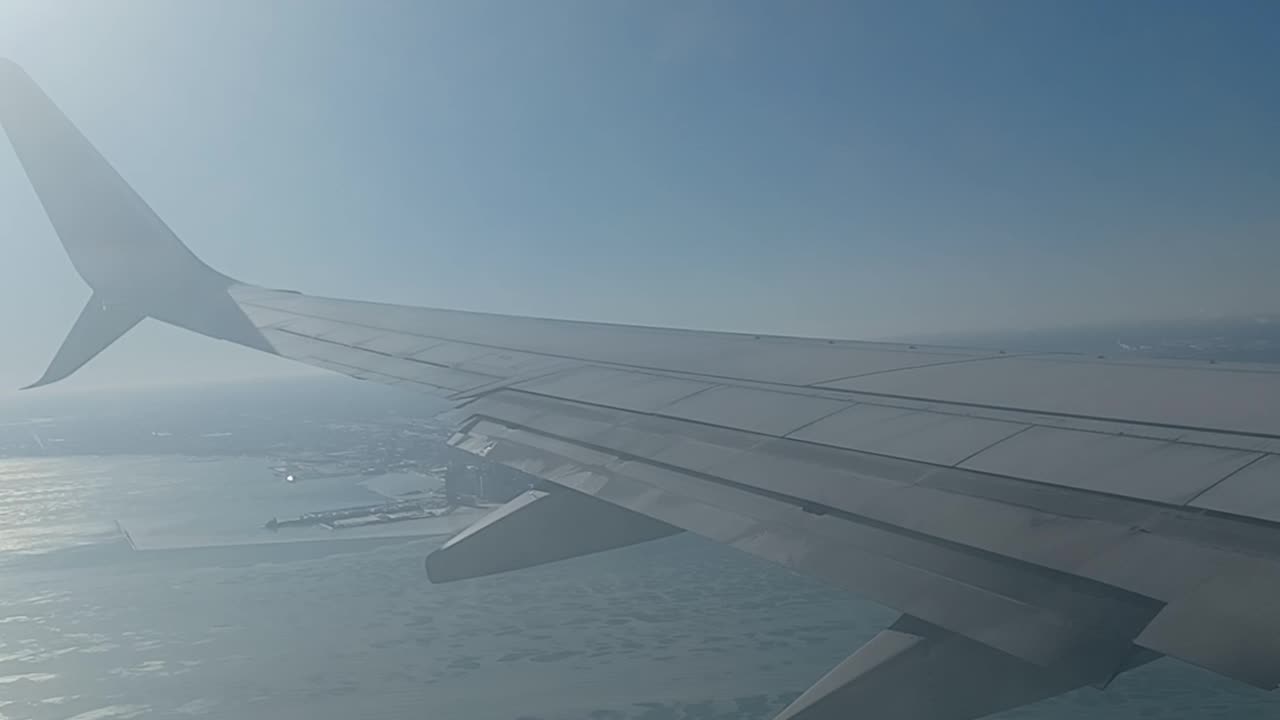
1083, 584
792, 386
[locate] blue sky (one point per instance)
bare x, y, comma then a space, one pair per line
833, 168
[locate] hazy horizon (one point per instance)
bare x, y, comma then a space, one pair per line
848, 170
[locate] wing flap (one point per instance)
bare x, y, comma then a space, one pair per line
1228, 625
916, 671
1033, 570
540, 527
1018, 609
1144, 549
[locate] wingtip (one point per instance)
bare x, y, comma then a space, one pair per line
9, 66
48, 378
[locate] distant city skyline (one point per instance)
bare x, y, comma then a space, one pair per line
840, 169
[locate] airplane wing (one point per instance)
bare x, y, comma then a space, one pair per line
1043, 522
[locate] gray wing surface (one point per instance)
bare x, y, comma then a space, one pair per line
1043, 522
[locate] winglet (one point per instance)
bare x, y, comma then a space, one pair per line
136, 266
100, 324
115, 240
